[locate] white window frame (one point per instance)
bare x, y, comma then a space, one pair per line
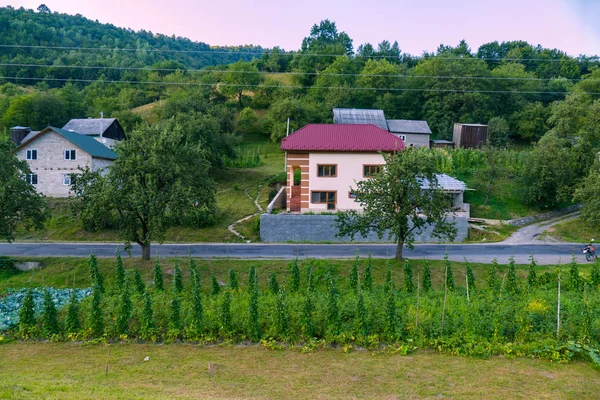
30, 154
70, 155
67, 177
29, 179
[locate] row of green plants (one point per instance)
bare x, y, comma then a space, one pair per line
553, 315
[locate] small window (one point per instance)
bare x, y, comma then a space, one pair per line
352, 195
327, 171
324, 198
403, 137
32, 179
370, 170
67, 179
70, 155
32, 154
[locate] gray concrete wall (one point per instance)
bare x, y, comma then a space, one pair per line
321, 228
51, 164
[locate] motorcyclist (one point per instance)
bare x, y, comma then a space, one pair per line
590, 248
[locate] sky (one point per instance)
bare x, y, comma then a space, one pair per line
417, 25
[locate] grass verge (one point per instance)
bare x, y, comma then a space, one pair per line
574, 231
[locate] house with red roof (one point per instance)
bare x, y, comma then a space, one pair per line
324, 162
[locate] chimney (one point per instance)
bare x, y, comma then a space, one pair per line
18, 133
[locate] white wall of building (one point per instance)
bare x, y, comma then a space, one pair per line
349, 171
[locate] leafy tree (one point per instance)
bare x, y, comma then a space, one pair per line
530, 122
588, 193
300, 112
20, 204
395, 204
43, 9
493, 170
498, 132
239, 77
595, 275
159, 179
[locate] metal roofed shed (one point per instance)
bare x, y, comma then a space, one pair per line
356, 116
453, 187
408, 126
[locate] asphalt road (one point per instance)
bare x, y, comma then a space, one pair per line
544, 253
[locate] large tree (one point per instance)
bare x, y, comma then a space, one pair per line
20, 204
159, 179
399, 201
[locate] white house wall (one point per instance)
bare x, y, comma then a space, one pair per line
349, 171
50, 165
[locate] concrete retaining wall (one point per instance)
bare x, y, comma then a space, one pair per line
545, 216
321, 228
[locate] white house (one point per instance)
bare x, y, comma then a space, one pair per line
55, 154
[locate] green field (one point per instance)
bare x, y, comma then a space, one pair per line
575, 231
73, 371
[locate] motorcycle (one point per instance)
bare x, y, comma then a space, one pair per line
589, 252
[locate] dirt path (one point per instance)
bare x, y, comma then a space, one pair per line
259, 208
531, 234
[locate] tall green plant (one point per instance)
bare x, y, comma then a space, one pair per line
390, 315
295, 280
595, 275
273, 284
253, 316
49, 315
310, 284
493, 283
96, 278
308, 326
177, 279
532, 279
216, 288
197, 308
96, 318
194, 274
426, 276
333, 313
175, 316
225, 314
368, 276
575, 281
409, 285
159, 283
353, 278
233, 280
471, 278
148, 327
512, 285
119, 273
388, 287
138, 283
361, 319
72, 322
125, 311
282, 319
449, 274
27, 314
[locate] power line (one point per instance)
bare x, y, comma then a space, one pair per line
286, 53
210, 71
292, 87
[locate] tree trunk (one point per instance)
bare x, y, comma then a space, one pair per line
399, 248
145, 252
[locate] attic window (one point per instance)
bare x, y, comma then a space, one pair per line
70, 155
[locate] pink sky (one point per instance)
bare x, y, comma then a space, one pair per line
417, 25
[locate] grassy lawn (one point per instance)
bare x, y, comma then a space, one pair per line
69, 272
232, 203
48, 370
574, 230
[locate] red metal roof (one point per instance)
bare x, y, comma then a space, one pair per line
334, 137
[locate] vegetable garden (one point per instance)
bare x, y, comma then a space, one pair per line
554, 315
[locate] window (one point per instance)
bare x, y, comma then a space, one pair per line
67, 179
403, 137
31, 179
324, 198
370, 170
352, 195
327, 170
32, 154
70, 155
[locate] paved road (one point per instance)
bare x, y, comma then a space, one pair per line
544, 253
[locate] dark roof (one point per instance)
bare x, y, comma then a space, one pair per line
359, 116
408, 126
89, 126
30, 136
328, 137
85, 143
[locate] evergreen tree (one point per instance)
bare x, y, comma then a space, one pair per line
532, 279
368, 279
148, 327
96, 320
177, 279
575, 282
49, 316
96, 278
27, 313
216, 288
353, 279
197, 308
512, 286
308, 326
72, 323
233, 281
471, 278
295, 281
159, 284
140, 288
448, 272
124, 311
225, 315
595, 276
426, 276
361, 318
273, 284
119, 273
282, 321
409, 285
492, 281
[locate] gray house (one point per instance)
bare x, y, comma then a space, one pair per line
413, 133
55, 154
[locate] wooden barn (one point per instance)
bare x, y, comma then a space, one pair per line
470, 136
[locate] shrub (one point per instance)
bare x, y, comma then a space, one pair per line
282, 321
595, 276
197, 308
448, 272
308, 327
361, 319
493, 283
216, 288
575, 282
